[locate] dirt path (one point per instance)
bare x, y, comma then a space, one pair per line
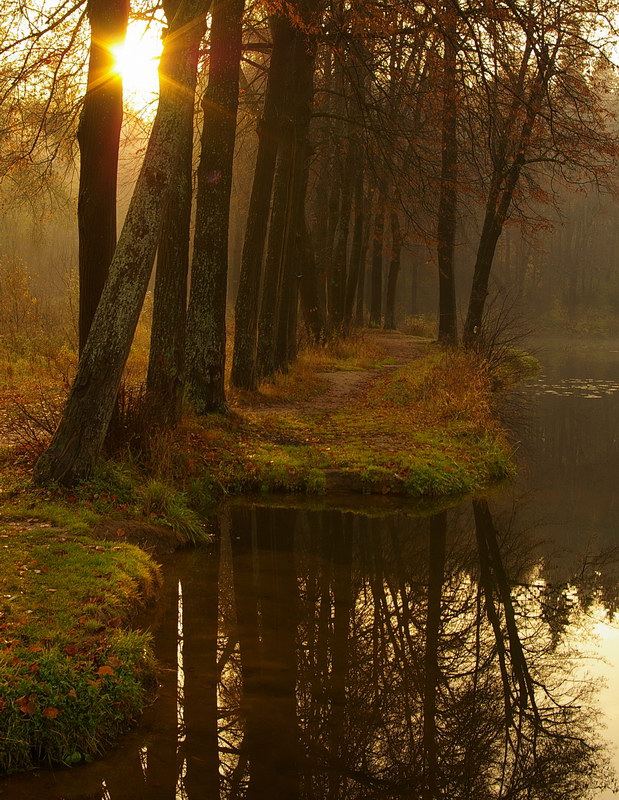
344, 385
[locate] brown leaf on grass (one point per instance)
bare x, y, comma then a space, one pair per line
27, 704
113, 661
72, 693
50, 712
106, 670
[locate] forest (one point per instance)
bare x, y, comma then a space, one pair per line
256, 248
304, 169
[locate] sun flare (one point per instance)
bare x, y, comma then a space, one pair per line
136, 61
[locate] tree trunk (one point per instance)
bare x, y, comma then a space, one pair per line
394, 271
483, 264
360, 302
98, 136
301, 101
76, 445
376, 295
448, 197
310, 294
278, 229
356, 250
206, 316
165, 379
337, 282
247, 302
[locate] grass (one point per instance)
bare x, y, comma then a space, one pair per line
73, 676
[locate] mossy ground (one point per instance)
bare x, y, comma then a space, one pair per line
73, 676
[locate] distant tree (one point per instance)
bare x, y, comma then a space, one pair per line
244, 373
541, 111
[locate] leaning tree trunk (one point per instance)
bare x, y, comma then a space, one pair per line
247, 302
448, 197
165, 379
394, 271
206, 316
98, 135
76, 445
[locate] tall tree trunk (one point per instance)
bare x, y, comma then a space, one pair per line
376, 287
98, 136
278, 230
206, 316
76, 445
448, 197
360, 304
247, 302
356, 249
310, 293
414, 296
301, 101
394, 271
165, 379
337, 282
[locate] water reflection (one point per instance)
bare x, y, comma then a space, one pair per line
330, 655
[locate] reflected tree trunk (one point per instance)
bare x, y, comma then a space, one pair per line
436, 575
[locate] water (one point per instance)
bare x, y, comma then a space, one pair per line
334, 654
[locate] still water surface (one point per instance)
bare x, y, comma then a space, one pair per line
455, 654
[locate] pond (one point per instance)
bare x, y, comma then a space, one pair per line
374, 650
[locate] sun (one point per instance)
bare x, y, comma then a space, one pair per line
136, 61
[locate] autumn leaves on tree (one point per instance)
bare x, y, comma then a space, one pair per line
373, 129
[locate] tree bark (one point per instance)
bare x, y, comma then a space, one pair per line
247, 303
206, 316
98, 136
76, 445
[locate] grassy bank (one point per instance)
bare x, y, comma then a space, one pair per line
424, 430
73, 674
